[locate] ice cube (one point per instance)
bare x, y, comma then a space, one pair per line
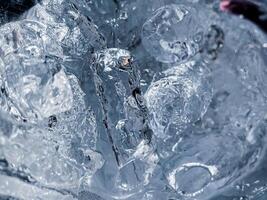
178, 99
173, 33
34, 80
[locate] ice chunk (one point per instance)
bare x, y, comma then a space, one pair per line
125, 118
180, 98
34, 80
65, 22
173, 33
66, 151
111, 77
34, 96
29, 38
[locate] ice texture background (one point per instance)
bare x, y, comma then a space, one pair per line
140, 99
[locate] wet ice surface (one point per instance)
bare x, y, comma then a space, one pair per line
150, 100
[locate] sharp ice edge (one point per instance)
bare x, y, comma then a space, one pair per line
194, 127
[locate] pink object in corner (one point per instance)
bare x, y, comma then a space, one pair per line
224, 5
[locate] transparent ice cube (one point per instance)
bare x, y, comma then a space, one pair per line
31, 73
178, 99
173, 33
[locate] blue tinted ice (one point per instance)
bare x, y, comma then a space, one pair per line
179, 98
149, 100
173, 34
